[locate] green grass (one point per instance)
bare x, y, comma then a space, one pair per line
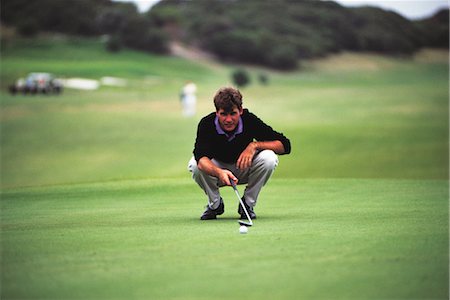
315, 239
97, 203
390, 122
87, 58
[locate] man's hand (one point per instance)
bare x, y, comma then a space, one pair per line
245, 159
225, 176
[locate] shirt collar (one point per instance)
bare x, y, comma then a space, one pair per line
231, 135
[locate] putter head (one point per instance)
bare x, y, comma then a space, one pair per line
243, 223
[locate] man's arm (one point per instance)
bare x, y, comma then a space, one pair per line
207, 166
245, 159
264, 132
276, 146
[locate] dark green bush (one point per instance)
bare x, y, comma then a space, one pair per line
139, 34
240, 78
263, 79
238, 46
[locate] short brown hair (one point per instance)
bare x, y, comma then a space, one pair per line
226, 98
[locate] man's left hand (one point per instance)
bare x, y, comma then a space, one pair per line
245, 159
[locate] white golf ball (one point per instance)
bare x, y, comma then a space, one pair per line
243, 229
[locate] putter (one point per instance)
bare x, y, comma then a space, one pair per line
249, 223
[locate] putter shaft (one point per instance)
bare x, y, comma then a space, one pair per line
250, 222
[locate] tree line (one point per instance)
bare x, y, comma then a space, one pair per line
120, 22
274, 33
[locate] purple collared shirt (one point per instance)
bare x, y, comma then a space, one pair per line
231, 135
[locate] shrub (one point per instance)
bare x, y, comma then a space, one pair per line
238, 46
240, 78
140, 35
263, 79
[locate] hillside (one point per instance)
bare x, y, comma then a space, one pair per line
238, 31
252, 31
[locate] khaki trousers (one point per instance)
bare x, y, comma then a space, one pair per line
263, 165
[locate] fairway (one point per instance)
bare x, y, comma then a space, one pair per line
97, 202
314, 239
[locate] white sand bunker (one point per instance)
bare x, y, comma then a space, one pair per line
92, 84
113, 81
81, 84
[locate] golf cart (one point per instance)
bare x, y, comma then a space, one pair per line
36, 83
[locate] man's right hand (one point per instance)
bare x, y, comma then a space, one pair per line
224, 175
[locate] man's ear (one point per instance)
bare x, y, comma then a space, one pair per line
241, 111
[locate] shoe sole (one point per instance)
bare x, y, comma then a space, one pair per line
213, 218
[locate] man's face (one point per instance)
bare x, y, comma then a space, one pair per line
228, 120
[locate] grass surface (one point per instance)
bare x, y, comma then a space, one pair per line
97, 203
323, 239
387, 119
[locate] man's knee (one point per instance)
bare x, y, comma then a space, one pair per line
192, 166
269, 159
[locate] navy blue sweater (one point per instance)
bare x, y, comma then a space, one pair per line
211, 144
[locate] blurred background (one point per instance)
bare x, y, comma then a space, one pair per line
92, 90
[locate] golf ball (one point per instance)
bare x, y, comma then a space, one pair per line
243, 229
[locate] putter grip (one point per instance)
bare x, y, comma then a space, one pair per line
233, 184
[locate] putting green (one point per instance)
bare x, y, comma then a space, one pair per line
321, 239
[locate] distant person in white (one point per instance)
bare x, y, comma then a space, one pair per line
189, 99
